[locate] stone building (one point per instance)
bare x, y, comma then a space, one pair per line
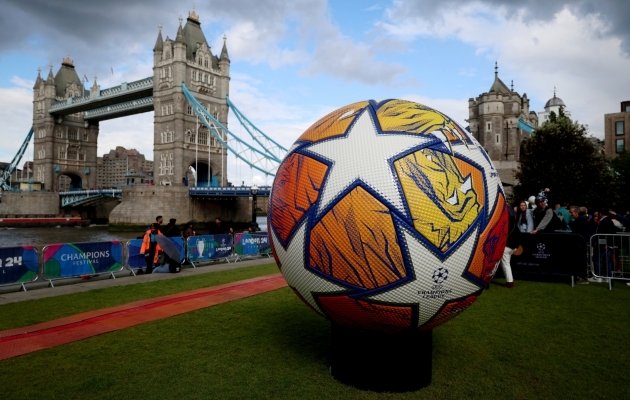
494, 122
122, 167
617, 131
180, 140
63, 146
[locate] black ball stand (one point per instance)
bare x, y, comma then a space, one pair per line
381, 362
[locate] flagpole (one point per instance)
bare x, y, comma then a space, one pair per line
209, 169
196, 150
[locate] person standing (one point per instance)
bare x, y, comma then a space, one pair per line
171, 230
579, 226
150, 247
524, 219
158, 221
563, 212
220, 228
545, 219
513, 241
188, 231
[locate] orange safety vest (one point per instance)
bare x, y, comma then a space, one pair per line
146, 244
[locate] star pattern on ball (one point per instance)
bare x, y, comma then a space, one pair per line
431, 296
381, 149
293, 269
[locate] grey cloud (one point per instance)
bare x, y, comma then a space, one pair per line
615, 13
119, 33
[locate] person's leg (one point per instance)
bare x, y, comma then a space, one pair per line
507, 268
152, 248
161, 269
149, 263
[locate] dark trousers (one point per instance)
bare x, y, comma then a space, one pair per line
149, 260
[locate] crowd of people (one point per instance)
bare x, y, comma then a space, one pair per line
156, 259
534, 215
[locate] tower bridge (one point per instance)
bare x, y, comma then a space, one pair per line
188, 94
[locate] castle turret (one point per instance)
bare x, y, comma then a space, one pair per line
179, 46
224, 66
188, 59
159, 46
493, 120
39, 80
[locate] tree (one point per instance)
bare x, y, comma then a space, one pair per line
621, 169
559, 156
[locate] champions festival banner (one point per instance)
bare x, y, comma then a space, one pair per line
136, 260
207, 247
18, 264
75, 259
250, 244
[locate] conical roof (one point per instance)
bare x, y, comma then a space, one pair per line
193, 35
38, 81
498, 86
65, 76
159, 43
224, 52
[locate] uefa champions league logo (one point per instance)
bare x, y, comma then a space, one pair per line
541, 252
437, 291
440, 275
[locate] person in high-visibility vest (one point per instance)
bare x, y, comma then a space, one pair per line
150, 248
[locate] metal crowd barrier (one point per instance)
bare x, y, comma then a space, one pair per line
610, 257
135, 261
18, 265
23, 264
226, 247
73, 260
557, 254
209, 248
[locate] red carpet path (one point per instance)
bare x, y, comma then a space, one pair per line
19, 341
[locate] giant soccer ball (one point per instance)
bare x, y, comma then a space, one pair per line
387, 216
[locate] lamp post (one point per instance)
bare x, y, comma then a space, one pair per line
254, 193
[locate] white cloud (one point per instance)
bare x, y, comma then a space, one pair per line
457, 110
16, 107
259, 43
566, 51
133, 132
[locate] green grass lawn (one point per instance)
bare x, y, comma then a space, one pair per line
537, 341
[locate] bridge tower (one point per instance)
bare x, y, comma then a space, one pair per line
63, 146
180, 140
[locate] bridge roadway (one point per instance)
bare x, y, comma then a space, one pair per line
118, 101
89, 197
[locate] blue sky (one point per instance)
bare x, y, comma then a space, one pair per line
293, 62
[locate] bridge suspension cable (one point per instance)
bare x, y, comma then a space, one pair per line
269, 145
261, 160
6, 174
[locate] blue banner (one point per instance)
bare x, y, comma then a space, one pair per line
76, 259
18, 264
252, 243
208, 247
179, 243
135, 260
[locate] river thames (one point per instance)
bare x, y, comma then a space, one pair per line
40, 237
